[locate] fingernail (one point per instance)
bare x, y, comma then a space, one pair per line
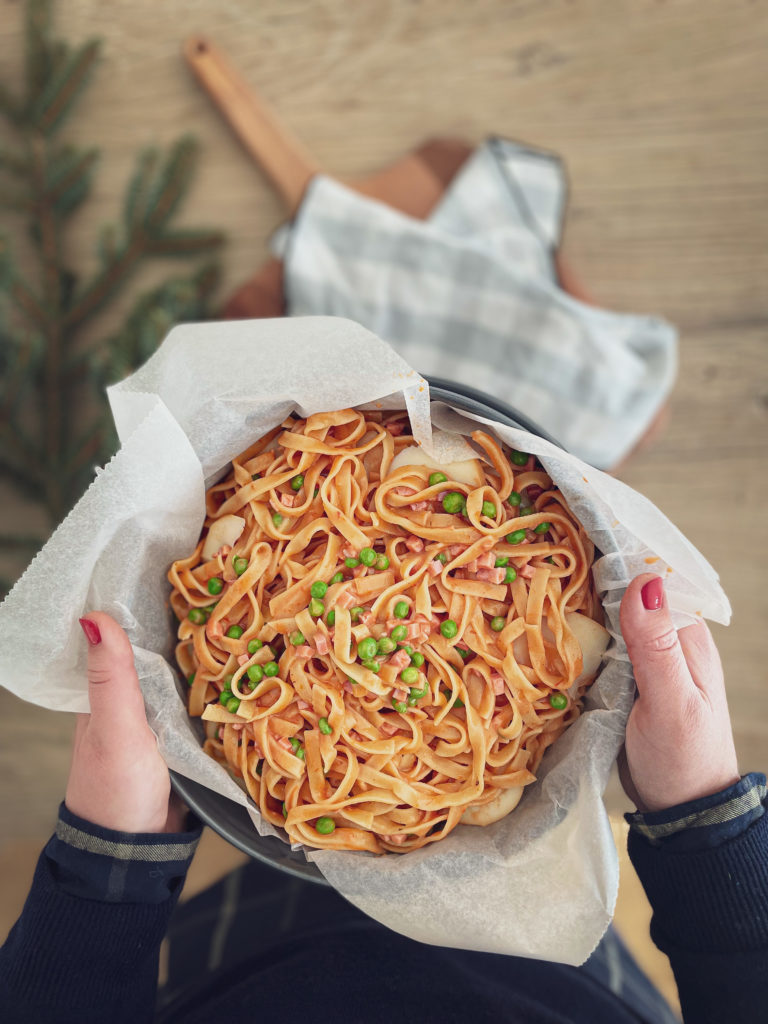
91, 631
653, 594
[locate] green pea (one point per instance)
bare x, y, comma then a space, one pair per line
255, 476
271, 668
227, 680
240, 565
215, 585
337, 577
297, 747
402, 608
232, 704
385, 645
514, 499
437, 478
325, 826
368, 556
277, 519
464, 654
542, 528
235, 632
254, 645
191, 678
285, 810
318, 589
418, 694
324, 727
255, 673
449, 629
529, 510
382, 562
515, 537
417, 659
498, 622
399, 633
558, 701
316, 608
454, 502
399, 705
488, 509
407, 648
518, 458
330, 618
297, 482
550, 560
372, 666
510, 575
209, 607
297, 638
246, 686
410, 675
351, 563
367, 648
196, 615
502, 562
442, 558
355, 612
317, 491
225, 695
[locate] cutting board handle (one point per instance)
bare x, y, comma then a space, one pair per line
281, 156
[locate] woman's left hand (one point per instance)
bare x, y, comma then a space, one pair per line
118, 779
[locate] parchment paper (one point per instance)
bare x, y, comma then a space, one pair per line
540, 883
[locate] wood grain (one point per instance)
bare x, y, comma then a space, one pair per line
659, 110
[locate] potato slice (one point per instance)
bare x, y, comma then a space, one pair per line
223, 531
467, 471
592, 637
506, 800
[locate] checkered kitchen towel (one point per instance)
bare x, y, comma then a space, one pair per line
471, 295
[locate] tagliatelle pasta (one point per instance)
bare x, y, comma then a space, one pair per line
380, 652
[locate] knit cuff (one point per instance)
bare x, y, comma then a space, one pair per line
98, 863
713, 898
708, 821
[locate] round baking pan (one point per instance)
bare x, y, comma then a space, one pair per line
231, 820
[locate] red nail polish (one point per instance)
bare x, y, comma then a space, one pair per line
91, 631
653, 594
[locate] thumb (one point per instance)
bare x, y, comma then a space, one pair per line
113, 686
657, 657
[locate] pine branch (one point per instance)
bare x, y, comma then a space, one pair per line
62, 90
184, 243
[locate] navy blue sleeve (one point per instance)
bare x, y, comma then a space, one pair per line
704, 867
86, 946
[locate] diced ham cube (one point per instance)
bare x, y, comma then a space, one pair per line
400, 659
414, 543
400, 694
243, 658
419, 506
396, 428
359, 571
302, 705
526, 572
282, 741
471, 566
321, 643
458, 549
303, 651
486, 561
497, 682
414, 630
348, 687
442, 494
491, 575
346, 599
237, 726
405, 492
367, 618
395, 840
388, 728
289, 500
348, 551
435, 568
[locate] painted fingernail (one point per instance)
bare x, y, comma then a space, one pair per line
91, 631
653, 594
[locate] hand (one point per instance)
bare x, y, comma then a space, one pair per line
118, 779
679, 743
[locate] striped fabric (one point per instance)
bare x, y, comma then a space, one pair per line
708, 821
471, 295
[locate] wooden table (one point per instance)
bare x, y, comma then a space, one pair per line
660, 110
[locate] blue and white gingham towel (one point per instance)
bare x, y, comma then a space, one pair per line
471, 295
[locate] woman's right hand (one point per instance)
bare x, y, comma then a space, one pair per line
679, 744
